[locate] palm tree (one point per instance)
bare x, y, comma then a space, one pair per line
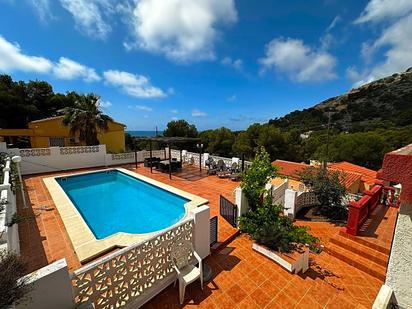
84, 117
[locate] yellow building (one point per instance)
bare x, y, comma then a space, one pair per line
51, 132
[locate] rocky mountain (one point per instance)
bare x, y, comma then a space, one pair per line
384, 102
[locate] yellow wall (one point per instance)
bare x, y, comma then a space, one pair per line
41, 131
113, 138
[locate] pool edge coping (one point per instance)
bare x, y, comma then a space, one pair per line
86, 245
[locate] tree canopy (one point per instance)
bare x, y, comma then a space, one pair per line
22, 102
85, 117
364, 144
180, 128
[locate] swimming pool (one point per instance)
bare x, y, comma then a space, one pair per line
114, 208
112, 202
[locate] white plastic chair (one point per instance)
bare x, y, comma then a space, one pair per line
181, 252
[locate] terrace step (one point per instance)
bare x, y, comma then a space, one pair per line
365, 242
357, 261
360, 249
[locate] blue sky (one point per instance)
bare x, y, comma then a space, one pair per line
212, 62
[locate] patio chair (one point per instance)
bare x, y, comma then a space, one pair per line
209, 162
235, 172
181, 253
223, 172
212, 169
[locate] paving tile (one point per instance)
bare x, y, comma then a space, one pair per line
242, 278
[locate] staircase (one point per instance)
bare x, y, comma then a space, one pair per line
359, 253
370, 250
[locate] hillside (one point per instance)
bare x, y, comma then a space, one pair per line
382, 103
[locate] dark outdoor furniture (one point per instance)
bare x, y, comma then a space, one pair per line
164, 166
151, 162
169, 141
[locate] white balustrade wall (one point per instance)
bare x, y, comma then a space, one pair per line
131, 276
52, 159
126, 278
278, 193
193, 158
296, 200
9, 238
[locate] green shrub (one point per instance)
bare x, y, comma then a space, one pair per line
256, 177
13, 289
267, 225
328, 189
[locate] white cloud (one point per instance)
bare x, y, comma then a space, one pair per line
298, 61
174, 111
13, 59
42, 9
143, 108
334, 22
379, 10
234, 63
140, 108
394, 41
135, 85
198, 113
89, 16
105, 104
175, 118
69, 69
232, 98
183, 30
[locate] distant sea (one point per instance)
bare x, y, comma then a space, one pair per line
144, 133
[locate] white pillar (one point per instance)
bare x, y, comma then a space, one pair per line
290, 202
51, 287
205, 157
3, 147
241, 202
201, 230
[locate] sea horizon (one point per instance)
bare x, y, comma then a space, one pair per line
143, 133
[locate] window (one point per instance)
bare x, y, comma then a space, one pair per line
56, 141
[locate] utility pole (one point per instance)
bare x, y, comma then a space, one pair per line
325, 164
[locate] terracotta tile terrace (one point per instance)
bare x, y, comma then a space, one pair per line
45, 240
245, 279
242, 278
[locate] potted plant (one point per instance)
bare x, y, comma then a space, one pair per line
274, 233
276, 237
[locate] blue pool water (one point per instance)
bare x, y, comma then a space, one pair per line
111, 202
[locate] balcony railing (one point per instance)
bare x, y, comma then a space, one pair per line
360, 210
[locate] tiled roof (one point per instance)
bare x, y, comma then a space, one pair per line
61, 116
288, 168
348, 178
368, 175
292, 169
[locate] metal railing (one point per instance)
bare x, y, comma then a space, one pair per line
213, 230
228, 210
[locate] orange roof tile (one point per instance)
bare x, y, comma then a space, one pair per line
368, 175
292, 169
288, 168
348, 178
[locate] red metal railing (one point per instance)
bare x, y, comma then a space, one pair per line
360, 210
